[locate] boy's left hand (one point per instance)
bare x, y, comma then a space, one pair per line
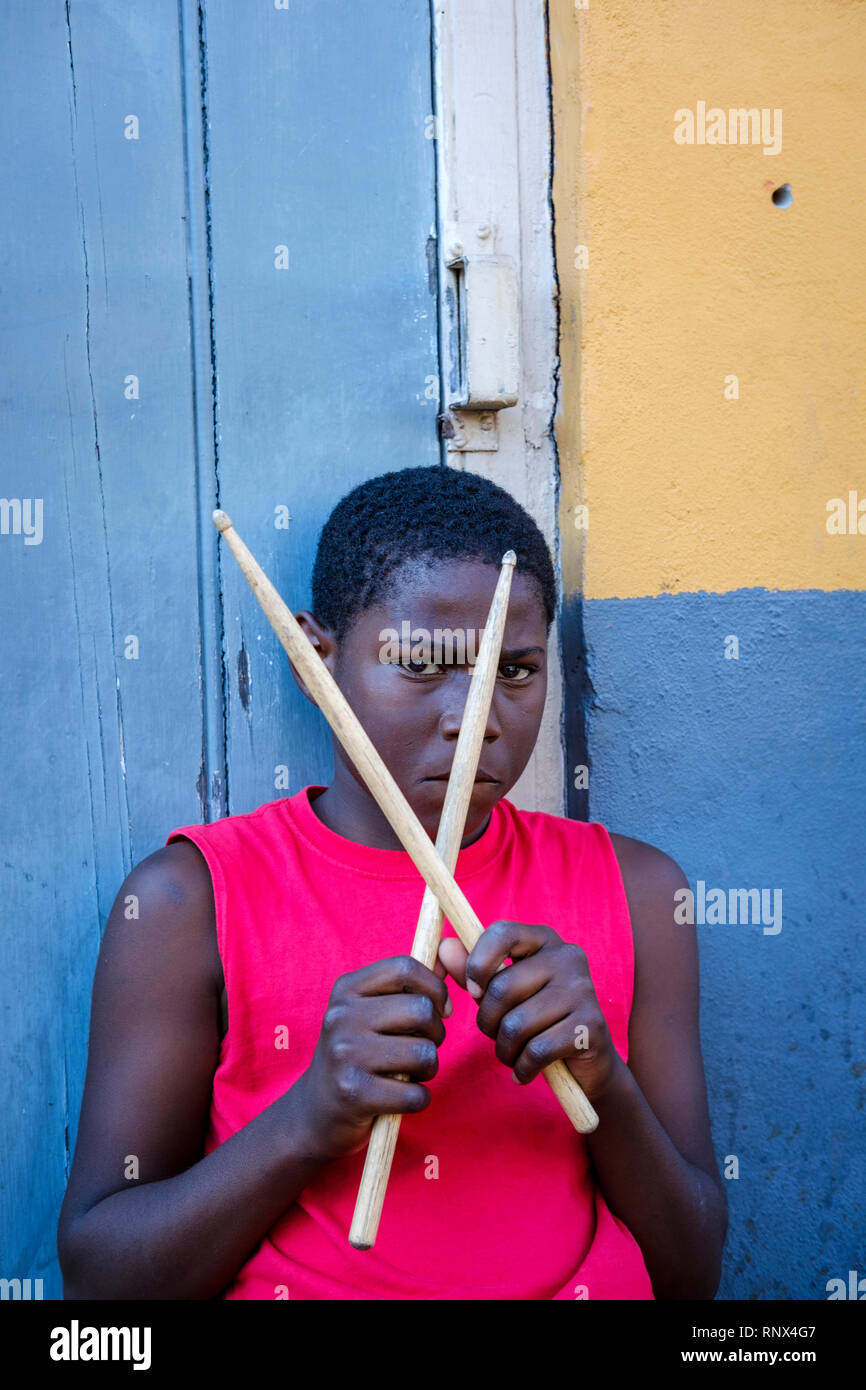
541, 1008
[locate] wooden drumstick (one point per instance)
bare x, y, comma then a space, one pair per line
381, 785
425, 947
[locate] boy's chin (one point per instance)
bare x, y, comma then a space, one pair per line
428, 798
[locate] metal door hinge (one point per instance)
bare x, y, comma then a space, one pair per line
484, 355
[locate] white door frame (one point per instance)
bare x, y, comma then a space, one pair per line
494, 190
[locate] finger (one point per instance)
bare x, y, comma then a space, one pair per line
398, 974
385, 1096
384, 1055
517, 1029
510, 988
542, 1049
401, 1013
496, 944
453, 957
439, 970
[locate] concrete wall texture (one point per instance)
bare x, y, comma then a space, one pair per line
710, 426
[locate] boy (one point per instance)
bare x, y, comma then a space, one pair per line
247, 1029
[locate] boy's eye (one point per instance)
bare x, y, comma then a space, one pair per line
508, 670
420, 668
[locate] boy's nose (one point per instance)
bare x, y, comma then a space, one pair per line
455, 703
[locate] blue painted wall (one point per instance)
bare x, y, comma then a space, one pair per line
257, 388
749, 772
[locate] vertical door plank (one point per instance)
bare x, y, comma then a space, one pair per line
318, 142
101, 753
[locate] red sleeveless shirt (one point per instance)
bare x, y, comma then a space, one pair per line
491, 1193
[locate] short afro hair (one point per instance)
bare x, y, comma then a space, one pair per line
411, 514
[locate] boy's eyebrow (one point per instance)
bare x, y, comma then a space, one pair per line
521, 651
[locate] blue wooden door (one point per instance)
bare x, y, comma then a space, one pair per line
215, 246
321, 192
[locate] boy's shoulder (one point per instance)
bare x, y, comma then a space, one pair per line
647, 863
651, 880
637, 858
649, 874
236, 821
548, 825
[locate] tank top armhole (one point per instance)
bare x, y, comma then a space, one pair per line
621, 922
197, 835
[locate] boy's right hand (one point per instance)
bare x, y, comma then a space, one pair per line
383, 1019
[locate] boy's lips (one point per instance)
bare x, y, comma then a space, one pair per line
480, 776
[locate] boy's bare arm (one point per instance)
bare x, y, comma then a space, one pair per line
184, 1226
653, 1150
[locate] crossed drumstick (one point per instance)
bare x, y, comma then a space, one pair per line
435, 864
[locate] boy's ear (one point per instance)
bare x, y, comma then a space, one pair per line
322, 639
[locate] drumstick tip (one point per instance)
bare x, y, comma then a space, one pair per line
509, 558
221, 520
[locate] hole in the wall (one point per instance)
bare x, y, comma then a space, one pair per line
782, 196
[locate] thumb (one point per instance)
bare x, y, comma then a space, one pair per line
453, 956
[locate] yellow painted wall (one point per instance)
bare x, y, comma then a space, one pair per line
694, 274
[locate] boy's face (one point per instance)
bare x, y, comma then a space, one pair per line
412, 713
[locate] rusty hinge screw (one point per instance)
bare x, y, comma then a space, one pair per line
446, 426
